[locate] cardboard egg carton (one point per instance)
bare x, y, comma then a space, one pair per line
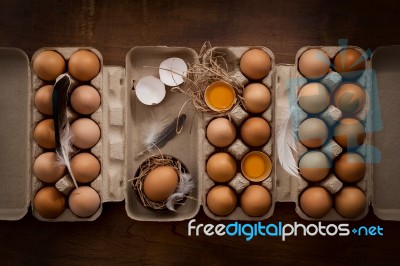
144, 61
108, 149
122, 118
238, 149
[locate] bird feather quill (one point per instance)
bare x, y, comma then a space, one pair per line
63, 135
157, 132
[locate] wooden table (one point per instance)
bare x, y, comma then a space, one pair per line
113, 27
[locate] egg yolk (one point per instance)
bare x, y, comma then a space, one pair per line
221, 97
254, 166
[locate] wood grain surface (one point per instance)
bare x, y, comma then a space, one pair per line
113, 27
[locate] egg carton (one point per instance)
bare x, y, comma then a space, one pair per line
330, 116
238, 148
144, 61
108, 150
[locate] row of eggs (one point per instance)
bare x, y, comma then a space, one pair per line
349, 133
84, 201
314, 63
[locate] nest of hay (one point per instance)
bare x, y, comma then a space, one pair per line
145, 168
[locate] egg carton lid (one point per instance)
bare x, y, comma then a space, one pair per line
386, 176
15, 120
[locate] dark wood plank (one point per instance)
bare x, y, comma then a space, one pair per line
113, 27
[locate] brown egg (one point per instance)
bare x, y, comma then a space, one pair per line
221, 132
85, 167
221, 167
221, 200
255, 64
256, 200
160, 183
85, 132
349, 133
44, 100
48, 65
47, 169
316, 202
84, 201
85, 99
350, 202
49, 202
349, 167
256, 97
313, 132
314, 166
314, 64
255, 131
350, 98
84, 65
44, 134
314, 98
349, 63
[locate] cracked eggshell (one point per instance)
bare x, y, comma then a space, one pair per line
150, 90
172, 71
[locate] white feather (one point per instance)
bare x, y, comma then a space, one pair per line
286, 143
151, 126
63, 154
185, 187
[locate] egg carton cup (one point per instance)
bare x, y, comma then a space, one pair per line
331, 116
238, 148
109, 150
